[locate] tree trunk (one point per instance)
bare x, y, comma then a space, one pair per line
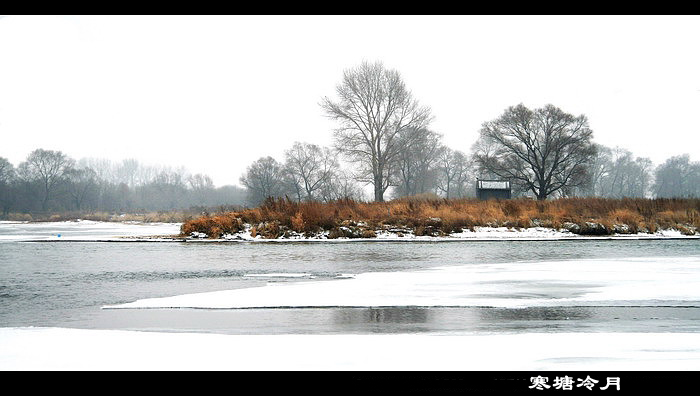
378, 184
378, 193
45, 201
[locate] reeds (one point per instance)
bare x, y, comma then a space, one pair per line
428, 215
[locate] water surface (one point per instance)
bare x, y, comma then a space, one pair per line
65, 284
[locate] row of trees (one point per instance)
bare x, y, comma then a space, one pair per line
51, 181
309, 172
383, 133
312, 172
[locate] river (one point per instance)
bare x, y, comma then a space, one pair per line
67, 284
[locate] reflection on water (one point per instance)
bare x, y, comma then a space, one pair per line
397, 320
539, 313
380, 315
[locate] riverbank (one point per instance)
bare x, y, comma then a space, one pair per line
393, 234
92, 231
457, 218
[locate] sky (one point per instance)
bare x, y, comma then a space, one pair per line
215, 93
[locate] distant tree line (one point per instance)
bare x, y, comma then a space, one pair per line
383, 139
50, 181
384, 135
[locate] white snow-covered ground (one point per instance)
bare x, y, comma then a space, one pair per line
76, 349
667, 281
479, 234
82, 230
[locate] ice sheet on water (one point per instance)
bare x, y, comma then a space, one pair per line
614, 282
83, 230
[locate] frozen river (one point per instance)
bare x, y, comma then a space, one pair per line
471, 288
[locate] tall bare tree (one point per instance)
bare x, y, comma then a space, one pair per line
541, 150
374, 106
47, 168
310, 167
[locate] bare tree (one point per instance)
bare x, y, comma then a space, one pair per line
599, 169
678, 177
200, 182
453, 169
47, 167
127, 171
264, 178
82, 183
644, 169
168, 188
415, 171
201, 187
374, 106
541, 150
342, 185
7, 176
104, 168
616, 173
7, 171
310, 167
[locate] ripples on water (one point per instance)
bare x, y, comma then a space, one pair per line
59, 284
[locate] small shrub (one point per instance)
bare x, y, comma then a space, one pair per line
298, 224
626, 216
335, 233
369, 234
685, 230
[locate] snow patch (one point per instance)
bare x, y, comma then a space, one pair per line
79, 349
83, 230
478, 233
669, 281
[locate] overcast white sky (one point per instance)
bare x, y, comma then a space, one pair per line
214, 93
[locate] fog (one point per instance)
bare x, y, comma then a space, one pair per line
215, 93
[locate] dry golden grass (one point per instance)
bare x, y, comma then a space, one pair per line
179, 216
423, 214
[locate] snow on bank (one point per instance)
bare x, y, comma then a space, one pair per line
73, 349
478, 234
83, 230
88, 230
657, 281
